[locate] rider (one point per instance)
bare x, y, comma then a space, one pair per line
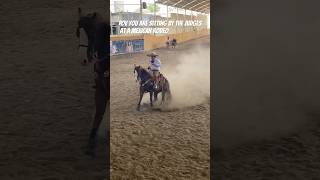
168, 41
174, 42
154, 67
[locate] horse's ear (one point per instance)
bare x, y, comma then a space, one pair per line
94, 15
79, 12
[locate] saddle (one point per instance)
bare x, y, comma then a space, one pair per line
158, 79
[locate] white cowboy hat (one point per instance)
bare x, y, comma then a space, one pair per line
152, 54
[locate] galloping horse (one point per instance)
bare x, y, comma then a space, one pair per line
146, 85
95, 31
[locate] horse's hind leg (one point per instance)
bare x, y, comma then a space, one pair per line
155, 95
151, 94
163, 95
169, 96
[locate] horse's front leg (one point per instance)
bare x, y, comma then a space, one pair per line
141, 95
100, 102
155, 95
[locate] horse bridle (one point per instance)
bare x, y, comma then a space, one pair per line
81, 45
94, 55
139, 69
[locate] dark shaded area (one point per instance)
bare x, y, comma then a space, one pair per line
254, 51
46, 99
266, 91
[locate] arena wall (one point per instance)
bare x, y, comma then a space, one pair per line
152, 42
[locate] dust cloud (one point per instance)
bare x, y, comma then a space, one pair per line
266, 76
190, 79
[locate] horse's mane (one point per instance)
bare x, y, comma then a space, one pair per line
94, 19
99, 19
142, 72
143, 69
146, 71
97, 30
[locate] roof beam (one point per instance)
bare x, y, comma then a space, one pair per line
202, 7
177, 3
200, 4
162, 2
193, 5
204, 10
189, 3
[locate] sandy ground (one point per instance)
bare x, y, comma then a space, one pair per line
153, 144
294, 156
46, 95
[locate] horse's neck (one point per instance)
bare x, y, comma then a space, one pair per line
144, 75
100, 39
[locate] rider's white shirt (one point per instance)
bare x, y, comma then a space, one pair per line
155, 65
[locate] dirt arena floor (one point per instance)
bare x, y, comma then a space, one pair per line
45, 94
295, 156
154, 144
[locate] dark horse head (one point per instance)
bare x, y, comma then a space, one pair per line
143, 76
92, 31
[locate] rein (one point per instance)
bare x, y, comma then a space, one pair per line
146, 82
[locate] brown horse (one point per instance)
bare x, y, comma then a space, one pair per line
147, 85
95, 31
